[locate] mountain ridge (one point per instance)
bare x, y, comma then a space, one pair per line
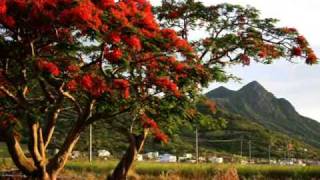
256, 103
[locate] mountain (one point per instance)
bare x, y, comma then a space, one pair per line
254, 102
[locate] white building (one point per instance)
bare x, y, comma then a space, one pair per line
139, 157
168, 158
214, 159
151, 155
103, 153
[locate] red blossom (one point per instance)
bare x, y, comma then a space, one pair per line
134, 42
73, 68
312, 58
121, 83
211, 105
183, 45
49, 67
99, 88
8, 21
85, 15
3, 8
166, 83
181, 67
160, 136
262, 54
94, 84
115, 37
245, 59
124, 86
149, 22
114, 55
297, 51
301, 40
6, 119
289, 30
72, 85
173, 14
87, 81
107, 3
169, 34
148, 122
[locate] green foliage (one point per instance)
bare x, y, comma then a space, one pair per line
255, 103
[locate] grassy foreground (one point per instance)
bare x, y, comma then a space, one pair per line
154, 170
201, 171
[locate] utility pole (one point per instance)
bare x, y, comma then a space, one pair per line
90, 143
241, 144
269, 153
197, 146
249, 143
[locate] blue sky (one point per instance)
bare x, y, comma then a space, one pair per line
299, 83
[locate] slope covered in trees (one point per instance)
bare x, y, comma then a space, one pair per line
254, 102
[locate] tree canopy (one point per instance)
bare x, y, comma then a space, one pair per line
101, 59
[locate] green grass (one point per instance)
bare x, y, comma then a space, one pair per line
187, 170
3, 150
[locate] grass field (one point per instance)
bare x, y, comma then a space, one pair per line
192, 171
154, 170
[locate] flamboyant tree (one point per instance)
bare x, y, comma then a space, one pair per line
100, 59
221, 35
110, 60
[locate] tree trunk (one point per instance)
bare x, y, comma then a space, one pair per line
25, 164
123, 167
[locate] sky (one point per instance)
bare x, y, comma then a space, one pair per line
298, 83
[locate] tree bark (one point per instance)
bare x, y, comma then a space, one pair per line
123, 167
25, 164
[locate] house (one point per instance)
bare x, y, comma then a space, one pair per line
214, 159
168, 158
151, 155
185, 157
103, 153
75, 154
139, 157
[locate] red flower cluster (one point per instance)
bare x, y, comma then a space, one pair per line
85, 14
289, 30
115, 37
3, 7
107, 3
181, 67
147, 122
173, 14
49, 67
296, 51
72, 85
211, 105
4, 18
301, 40
262, 54
124, 86
73, 68
93, 84
6, 119
160, 136
166, 83
183, 45
114, 55
169, 34
134, 42
179, 43
245, 59
312, 58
